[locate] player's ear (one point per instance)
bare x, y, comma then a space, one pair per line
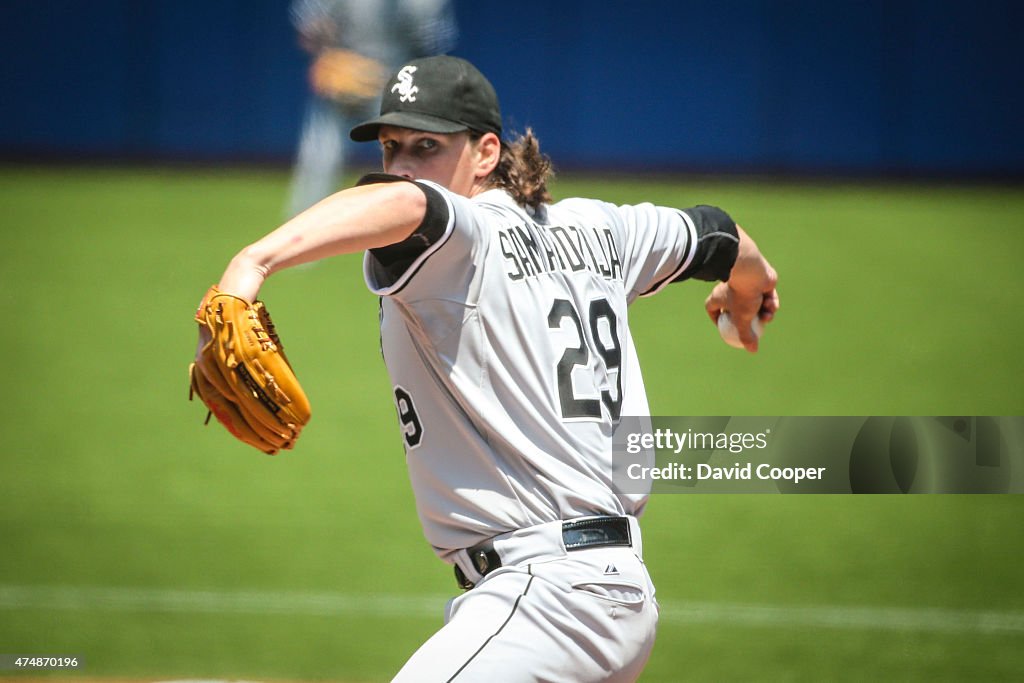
488, 152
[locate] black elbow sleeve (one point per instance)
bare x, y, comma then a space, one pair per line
431, 230
717, 244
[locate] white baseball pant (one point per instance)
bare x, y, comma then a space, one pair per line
546, 614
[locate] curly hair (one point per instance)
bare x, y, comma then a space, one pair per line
523, 171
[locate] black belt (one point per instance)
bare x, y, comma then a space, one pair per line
591, 532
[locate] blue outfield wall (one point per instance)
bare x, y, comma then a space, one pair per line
869, 86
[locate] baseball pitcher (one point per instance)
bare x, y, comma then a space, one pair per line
505, 331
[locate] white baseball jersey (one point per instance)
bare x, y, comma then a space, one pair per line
510, 354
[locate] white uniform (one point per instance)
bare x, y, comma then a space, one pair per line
511, 358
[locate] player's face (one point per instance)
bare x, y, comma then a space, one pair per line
446, 159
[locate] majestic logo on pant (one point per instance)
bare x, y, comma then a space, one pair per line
406, 90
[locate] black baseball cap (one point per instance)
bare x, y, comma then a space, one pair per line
441, 94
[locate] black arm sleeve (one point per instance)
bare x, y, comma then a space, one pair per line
718, 244
396, 258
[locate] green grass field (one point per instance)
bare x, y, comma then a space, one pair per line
156, 548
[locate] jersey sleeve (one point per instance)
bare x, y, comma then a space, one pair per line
438, 259
663, 245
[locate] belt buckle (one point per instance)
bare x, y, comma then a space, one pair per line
481, 561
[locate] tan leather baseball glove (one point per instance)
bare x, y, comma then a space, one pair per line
346, 76
242, 375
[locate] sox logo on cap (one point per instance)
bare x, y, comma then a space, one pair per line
406, 90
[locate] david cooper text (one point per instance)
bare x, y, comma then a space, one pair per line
704, 472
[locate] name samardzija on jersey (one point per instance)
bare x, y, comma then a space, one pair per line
531, 250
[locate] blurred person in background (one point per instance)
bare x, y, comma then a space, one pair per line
354, 45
